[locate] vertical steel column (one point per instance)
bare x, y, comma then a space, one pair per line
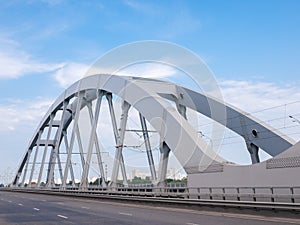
118, 160
98, 152
165, 152
67, 149
148, 148
75, 124
253, 150
80, 146
163, 164
35, 157
26, 167
85, 172
116, 135
50, 175
45, 149
59, 167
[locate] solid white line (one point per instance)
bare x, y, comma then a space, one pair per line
61, 216
83, 207
125, 214
192, 223
20, 204
10, 201
36, 209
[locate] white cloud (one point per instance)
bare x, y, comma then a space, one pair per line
148, 70
17, 114
15, 62
70, 73
267, 101
253, 96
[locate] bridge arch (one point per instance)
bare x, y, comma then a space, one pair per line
148, 97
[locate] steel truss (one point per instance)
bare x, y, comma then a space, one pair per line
54, 141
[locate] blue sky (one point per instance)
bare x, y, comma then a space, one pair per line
252, 47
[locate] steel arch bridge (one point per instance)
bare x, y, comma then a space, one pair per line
162, 105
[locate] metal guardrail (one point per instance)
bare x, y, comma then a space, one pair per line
251, 194
168, 198
255, 194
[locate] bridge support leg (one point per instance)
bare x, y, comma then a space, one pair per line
253, 150
26, 168
148, 148
35, 158
71, 166
54, 153
69, 151
45, 150
163, 164
93, 141
119, 136
59, 167
98, 152
80, 146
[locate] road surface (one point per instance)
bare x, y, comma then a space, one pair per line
26, 208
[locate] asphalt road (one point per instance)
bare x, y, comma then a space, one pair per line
31, 209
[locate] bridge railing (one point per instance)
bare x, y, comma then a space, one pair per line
256, 194
243, 194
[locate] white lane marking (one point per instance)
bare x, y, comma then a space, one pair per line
36, 209
192, 223
61, 216
125, 214
83, 207
60, 203
43, 200
20, 204
10, 201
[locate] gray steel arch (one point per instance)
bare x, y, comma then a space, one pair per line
149, 96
